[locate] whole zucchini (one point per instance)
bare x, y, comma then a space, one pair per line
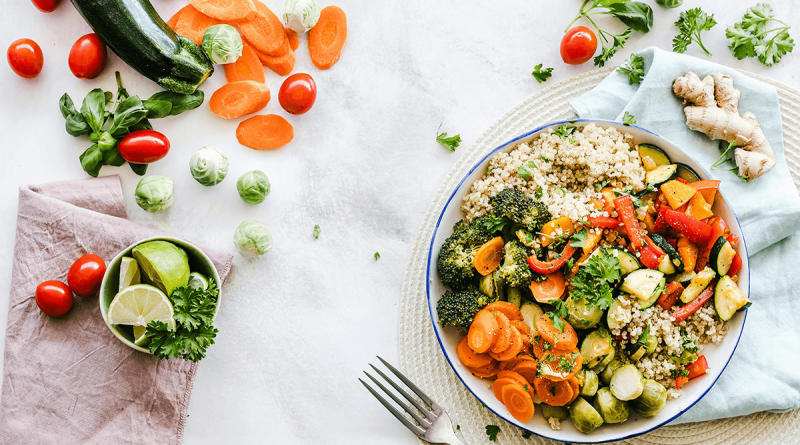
137, 34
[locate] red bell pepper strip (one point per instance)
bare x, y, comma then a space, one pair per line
650, 257
695, 230
626, 212
697, 367
733, 239
546, 267
692, 307
604, 222
670, 296
673, 242
661, 224
718, 229
682, 180
658, 250
680, 381
736, 264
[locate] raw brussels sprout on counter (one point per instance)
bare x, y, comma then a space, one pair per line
253, 186
155, 193
652, 400
611, 408
590, 382
252, 239
627, 383
584, 417
669, 4
209, 166
301, 15
222, 44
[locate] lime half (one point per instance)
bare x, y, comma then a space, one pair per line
164, 264
197, 281
129, 273
140, 304
138, 336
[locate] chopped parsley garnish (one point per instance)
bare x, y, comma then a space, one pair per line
377, 256
494, 224
450, 143
524, 172
579, 239
316, 231
526, 435
633, 68
545, 159
558, 314
491, 431
594, 281
688, 343
628, 118
541, 74
538, 193
599, 185
563, 131
642, 340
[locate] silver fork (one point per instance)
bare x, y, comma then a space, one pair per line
434, 427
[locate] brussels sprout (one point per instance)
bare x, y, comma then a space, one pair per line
301, 15
581, 316
609, 358
652, 400
252, 238
638, 351
155, 193
611, 408
590, 382
627, 383
608, 372
209, 166
584, 416
531, 312
253, 186
669, 4
596, 346
559, 412
499, 284
486, 285
514, 296
222, 44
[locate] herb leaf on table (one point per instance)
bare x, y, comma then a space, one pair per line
541, 74
633, 68
450, 143
690, 23
628, 118
751, 38
491, 431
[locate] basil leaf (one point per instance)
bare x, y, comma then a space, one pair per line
129, 112
109, 95
66, 106
93, 108
76, 125
106, 142
139, 169
113, 158
157, 109
180, 102
143, 124
636, 15
92, 160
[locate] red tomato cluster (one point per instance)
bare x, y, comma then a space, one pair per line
87, 58
85, 276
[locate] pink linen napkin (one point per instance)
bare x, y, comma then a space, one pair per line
68, 380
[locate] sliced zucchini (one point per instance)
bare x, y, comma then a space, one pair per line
654, 296
642, 283
661, 175
531, 312
673, 255
698, 284
686, 172
728, 298
627, 261
665, 265
656, 154
514, 296
684, 277
613, 324
722, 254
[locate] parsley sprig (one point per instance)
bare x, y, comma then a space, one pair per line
564, 131
541, 74
751, 38
690, 23
450, 143
723, 160
633, 68
595, 281
491, 431
558, 314
628, 118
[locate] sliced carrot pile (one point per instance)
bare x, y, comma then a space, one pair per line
236, 99
471, 358
527, 369
226, 10
282, 65
487, 371
327, 38
552, 288
294, 40
503, 340
508, 365
266, 132
192, 24
562, 340
488, 256
265, 31
246, 67
505, 308
553, 393
482, 331
173, 21
513, 349
561, 365
518, 401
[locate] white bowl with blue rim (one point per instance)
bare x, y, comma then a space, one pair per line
718, 356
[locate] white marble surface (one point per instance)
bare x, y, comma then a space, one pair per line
300, 324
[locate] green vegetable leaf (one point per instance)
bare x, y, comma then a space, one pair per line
524, 172
139, 169
628, 118
563, 131
579, 239
689, 344
316, 231
450, 143
157, 109
93, 109
128, 112
75, 123
599, 185
558, 314
495, 224
607, 53
377, 256
634, 69
637, 16
180, 102
642, 340
92, 160
690, 23
541, 74
491, 431
596, 279
538, 193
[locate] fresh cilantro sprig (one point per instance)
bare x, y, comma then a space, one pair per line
450, 143
563, 131
751, 38
524, 170
494, 223
636, 16
628, 118
579, 239
595, 281
541, 74
491, 431
689, 344
690, 23
316, 231
642, 340
633, 68
558, 314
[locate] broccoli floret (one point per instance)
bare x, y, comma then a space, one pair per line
511, 203
455, 257
515, 270
457, 308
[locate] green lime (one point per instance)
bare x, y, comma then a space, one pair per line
164, 264
138, 336
129, 273
140, 304
197, 281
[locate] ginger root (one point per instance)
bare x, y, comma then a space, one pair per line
714, 111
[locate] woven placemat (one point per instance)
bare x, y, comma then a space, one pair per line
423, 362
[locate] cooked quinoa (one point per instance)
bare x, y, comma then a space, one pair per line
566, 170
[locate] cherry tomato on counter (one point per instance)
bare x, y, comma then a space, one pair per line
54, 298
88, 57
298, 93
144, 146
578, 45
46, 5
86, 274
25, 58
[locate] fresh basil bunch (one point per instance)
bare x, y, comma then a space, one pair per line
127, 114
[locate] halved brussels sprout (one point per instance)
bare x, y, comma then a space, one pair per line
590, 382
596, 346
514, 296
600, 367
611, 408
222, 44
584, 416
581, 316
155, 193
499, 284
531, 312
609, 370
627, 383
652, 400
486, 285
559, 412
638, 351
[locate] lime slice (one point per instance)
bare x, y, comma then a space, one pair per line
197, 281
138, 336
140, 304
164, 264
129, 273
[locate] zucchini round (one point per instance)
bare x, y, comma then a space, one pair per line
627, 261
687, 173
653, 152
642, 283
722, 255
728, 298
674, 257
698, 284
654, 296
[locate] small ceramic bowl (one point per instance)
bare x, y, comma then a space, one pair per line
198, 262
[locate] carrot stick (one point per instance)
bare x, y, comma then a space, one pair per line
246, 67
294, 40
518, 401
173, 21
562, 340
485, 372
327, 38
266, 132
265, 31
192, 24
514, 348
226, 10
469, 357
505, 308
488, 256
236, 99
503, 340
482, 332
552, 288
553, 393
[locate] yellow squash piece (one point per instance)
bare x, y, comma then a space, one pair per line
677, 193
550, 230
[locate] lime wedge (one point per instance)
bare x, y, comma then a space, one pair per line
138, 336
140, 304
164, 264
129, 273
197, 281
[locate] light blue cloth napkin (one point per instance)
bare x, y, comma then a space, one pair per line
764, 373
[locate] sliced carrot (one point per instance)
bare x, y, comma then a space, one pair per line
488, 256
503, 340
576, 387
518, 402
521, 327
552, 288
485, 372
508, 365
226, 10
482, 331
236, 99
527, 369
538, 345
246, 67
282, 65
173, 21
553, 393
513, 349
265, 31
562, 340
512, 375
294, 40
560, 365
509, 310
469, 357
497, 386
192, 24
327, 38
266, 132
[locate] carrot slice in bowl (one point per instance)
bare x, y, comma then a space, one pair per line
488, 256
506, 308
226, 10
560, 365
246, 67
518, 401
503, 340
266, 132
470, 358
527, 369
236, 99
265, 31
566, 339
485, 372
552, 288
508, 365
513, 349
497, 386
483, 331
327, 38
553, 393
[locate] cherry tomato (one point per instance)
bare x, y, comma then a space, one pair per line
86, 274
578, 45
25, 58
88, 57
54, 298
144, 146
298, 93
46, 5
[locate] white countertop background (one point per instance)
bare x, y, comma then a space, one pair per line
298, 325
